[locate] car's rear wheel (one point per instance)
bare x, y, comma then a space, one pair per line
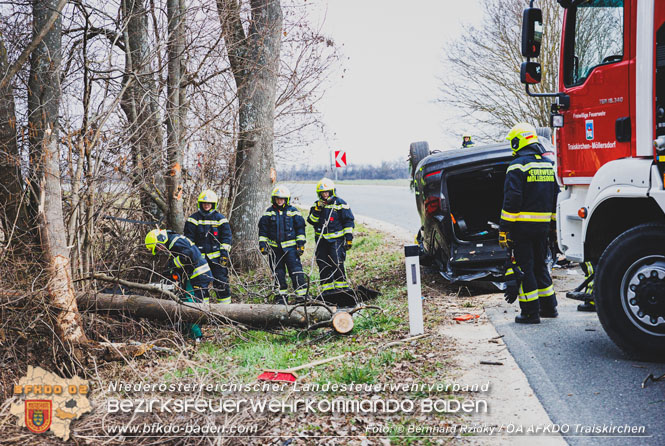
544, 132
425, 258
417, 152
630, 291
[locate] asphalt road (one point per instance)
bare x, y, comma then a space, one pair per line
392, 204
582, 379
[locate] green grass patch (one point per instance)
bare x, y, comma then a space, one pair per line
370, 262
359, 374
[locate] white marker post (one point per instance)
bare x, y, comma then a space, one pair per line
412, 260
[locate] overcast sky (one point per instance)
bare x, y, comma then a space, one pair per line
393, 52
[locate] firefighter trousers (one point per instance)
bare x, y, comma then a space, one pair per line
200, 287
536, 292
282, 259
330, 257
220, 282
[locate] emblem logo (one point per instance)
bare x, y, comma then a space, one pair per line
38, 415
588, 126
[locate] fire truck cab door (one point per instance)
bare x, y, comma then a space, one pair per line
596, 61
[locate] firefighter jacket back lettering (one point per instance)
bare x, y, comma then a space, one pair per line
530, 193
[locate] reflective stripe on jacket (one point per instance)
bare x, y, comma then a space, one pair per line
530, 192
210, 232
185, 255
284, 227
333, 221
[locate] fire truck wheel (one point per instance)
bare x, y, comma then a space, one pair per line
630, 291
417, 152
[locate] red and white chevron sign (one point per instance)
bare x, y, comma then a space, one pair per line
340, 158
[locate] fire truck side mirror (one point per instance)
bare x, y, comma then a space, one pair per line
530, 73
532, 32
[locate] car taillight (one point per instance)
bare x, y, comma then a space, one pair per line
432, 205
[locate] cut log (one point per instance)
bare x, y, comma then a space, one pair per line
252, 315
342, 322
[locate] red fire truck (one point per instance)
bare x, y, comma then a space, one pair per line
609, 115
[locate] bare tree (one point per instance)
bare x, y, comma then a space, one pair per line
43, 109
254, 57
141, 107
482, 82
175, 113
12, 203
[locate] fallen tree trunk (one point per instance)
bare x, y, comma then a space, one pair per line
252, 315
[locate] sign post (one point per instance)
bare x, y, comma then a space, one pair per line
412, 260
340, 160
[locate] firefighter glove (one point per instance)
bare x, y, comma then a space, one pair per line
300, 249
263, 248
504, 240
224, 261
348, 245
511, 291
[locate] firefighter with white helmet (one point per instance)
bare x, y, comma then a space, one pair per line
211, 232
466, 140
282, 238
529, 202
333, 232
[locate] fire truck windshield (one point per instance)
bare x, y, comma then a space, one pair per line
594, 36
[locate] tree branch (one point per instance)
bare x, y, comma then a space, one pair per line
234, 35
30, 48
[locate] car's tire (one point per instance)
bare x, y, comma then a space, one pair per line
544, 132
630, 291
417, 152
425, 258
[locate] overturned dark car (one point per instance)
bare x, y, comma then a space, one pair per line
459, 194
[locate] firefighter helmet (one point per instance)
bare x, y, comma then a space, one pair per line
207, 196
325, 185
280, 192
521, 135
155, 236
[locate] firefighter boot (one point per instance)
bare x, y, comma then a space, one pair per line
523, 318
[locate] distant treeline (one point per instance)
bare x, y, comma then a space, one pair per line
388, 170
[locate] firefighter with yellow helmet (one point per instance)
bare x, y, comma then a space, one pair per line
186, 263
184, 257
211, 232
529, 209
282, 239
333, 232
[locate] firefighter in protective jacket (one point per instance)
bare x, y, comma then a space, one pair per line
333, 232
282, 238
466, 141
211, 233
529, 208
184, 257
